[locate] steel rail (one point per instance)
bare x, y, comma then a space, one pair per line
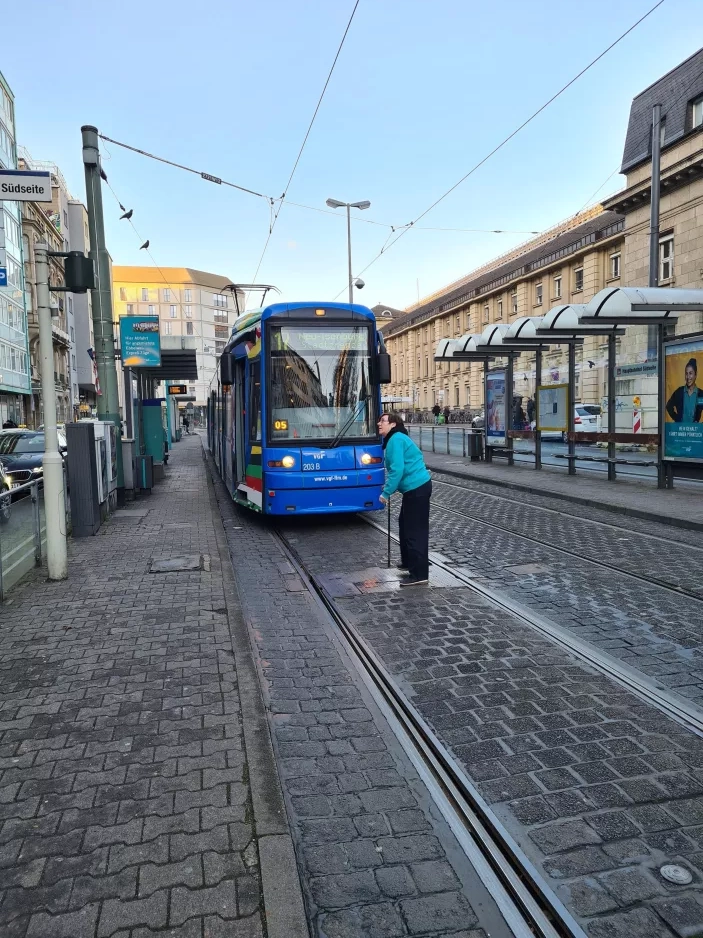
556, 511
527, 903
677, 590
675, 707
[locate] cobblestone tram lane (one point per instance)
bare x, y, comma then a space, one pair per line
640, 622
600, 789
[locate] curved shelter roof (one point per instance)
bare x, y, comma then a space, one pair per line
636, 305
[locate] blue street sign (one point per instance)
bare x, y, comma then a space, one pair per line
3, 276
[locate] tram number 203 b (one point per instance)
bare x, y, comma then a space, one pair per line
311, 465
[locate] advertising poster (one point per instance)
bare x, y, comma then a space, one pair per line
683, 399
553, 407
140, 341
496, 404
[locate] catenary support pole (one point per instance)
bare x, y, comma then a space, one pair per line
657, 333
54, 497
101, 297
612, 472
572, 408
351, 286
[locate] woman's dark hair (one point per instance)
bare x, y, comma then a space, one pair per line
692, 363
394, 417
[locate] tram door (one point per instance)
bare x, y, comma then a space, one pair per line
238, 429
227, 431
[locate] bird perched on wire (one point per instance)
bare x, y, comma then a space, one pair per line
145, 245
127, 215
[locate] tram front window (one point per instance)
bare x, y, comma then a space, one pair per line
320, 383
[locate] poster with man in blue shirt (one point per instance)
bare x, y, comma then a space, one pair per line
683, 429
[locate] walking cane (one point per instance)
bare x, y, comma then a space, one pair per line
389, 533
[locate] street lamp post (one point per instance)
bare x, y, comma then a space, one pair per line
333, 203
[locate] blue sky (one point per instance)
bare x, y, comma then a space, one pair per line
423, 89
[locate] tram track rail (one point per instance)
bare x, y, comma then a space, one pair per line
681, 711
562, 512
613, 568
525, 900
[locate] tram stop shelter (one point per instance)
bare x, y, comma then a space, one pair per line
607, 314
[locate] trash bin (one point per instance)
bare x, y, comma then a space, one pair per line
476, 445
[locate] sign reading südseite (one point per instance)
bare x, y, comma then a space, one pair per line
140, 341
24, 185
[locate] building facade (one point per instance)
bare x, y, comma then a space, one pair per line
38, 227
191, 303
607, 246
568, 264
680, 93
14, 348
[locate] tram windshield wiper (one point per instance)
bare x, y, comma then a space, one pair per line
350, 420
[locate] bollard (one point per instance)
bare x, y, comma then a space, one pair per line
36, 515
433, 439
420, 439
447, 441
463, 442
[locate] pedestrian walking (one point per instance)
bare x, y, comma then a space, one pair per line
406, 473
530, 410
186, 424
436, 410
447, 414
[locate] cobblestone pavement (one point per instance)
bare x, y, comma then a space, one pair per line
599, 788
682, 506
576, 510
375, 860
650, 628
124, 795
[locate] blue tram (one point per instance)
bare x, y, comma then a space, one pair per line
292, 413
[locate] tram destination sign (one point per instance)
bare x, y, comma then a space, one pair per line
24, 185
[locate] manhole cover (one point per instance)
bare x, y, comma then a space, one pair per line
180, 563
673, 873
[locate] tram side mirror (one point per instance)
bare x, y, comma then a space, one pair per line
227, 370
384, 368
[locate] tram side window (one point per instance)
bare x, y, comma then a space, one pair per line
255, 402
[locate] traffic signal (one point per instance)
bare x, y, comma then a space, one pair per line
79, 272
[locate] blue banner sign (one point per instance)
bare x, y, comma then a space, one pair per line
140, 341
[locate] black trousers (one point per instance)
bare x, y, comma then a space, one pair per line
414, 525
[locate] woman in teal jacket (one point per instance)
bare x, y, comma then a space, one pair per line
406, 473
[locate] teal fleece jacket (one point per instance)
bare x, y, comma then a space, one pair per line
405, 467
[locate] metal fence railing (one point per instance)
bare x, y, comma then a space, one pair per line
452, 441
22, 533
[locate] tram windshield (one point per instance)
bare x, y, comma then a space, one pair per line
320, 385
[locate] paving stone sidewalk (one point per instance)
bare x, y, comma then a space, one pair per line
125, 796
376, 859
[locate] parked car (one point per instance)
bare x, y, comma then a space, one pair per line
585, 421
5, 497
22, 452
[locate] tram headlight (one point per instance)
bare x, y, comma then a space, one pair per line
288, 462
368, 460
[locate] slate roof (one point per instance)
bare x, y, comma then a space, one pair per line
674, 91
592, 230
